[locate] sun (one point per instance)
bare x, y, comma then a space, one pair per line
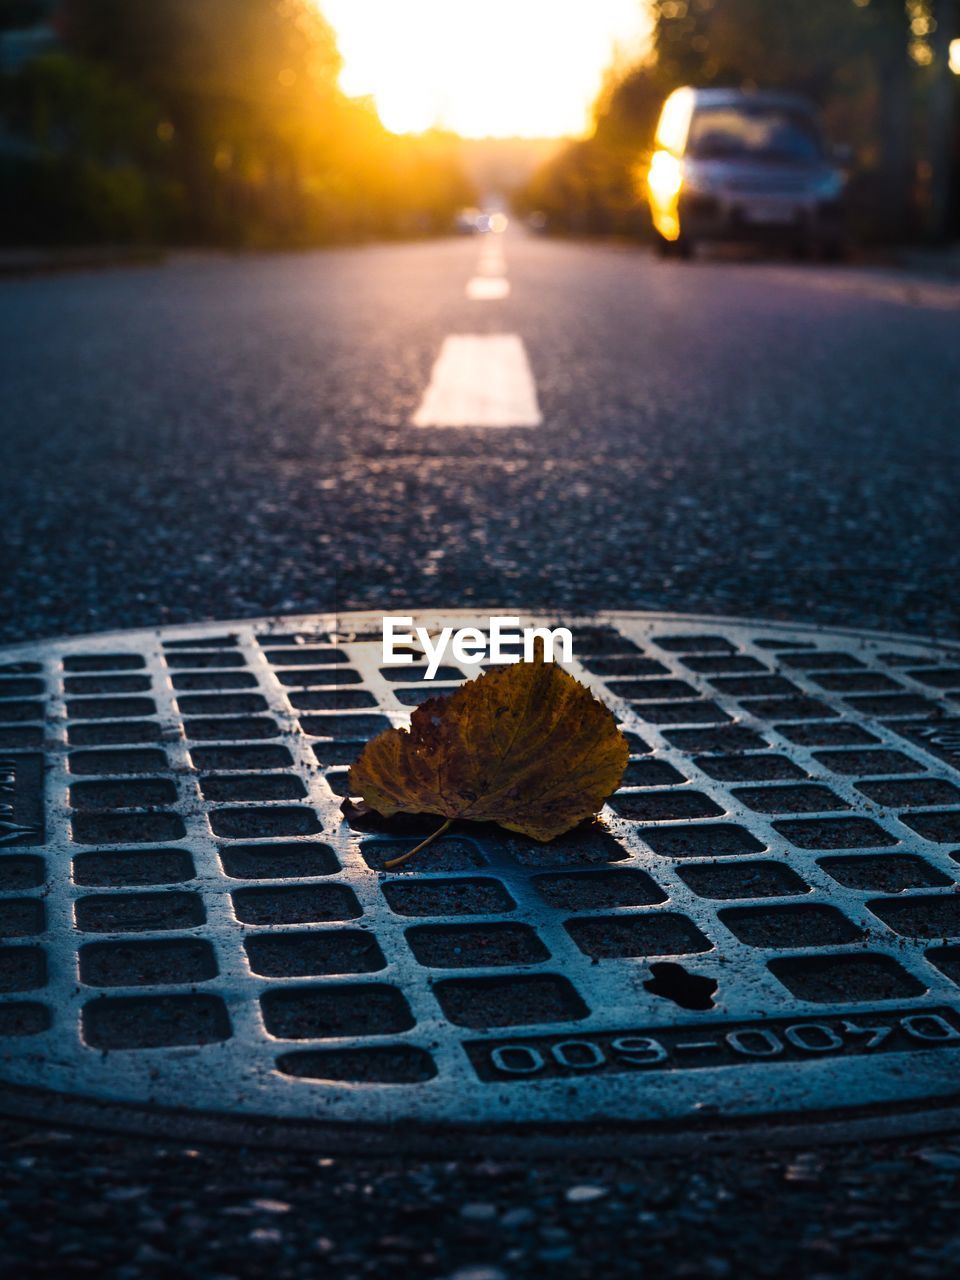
500, 68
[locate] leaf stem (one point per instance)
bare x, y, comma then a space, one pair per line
396, 862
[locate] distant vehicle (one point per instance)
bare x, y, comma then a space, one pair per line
731, 164
469, 222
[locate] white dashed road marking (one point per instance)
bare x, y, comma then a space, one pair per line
488, 288
480, 380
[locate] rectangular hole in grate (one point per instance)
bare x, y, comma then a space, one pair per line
898, 793
754, 686
750, 768
21, 871
928, 915
820, 660
656, 933
138, 912
716, 840
599, 890
788, 708
460, 897
941, 828
201, 660
707, 665
106, 684
317, 1013
347, 727
21, 917
212, 681
144, 867
19, 737
856, 681
861, 763
841, 734
414, 696
253, 786
117, 762
383, 1064
313, 955
742, 880
266, 757
845, 978
154, 1022
589, 844
450, 854
301, 656
104, 662
202, 642
938, 677
231, 729
27, 688
309, 678
733, 738
15, 712
626, 665
701, 712
636, 744
413, 671
221, 704
651, 773
475, 946
115, 733
694, 644
254, 824
893, 704
110, 708
802, 925
123, 793
805, 797
24, 1018
506, 1002
775, 642
887, 873
332, 700
650, 690
329, 753
338, 780
297, 861
835, 833
163, 962
22, 968
296, 904
947, 960
654, 806
125, 828
601, 640
20, 668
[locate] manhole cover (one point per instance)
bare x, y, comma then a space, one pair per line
766, 929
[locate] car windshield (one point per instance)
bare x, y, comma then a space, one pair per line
755, 133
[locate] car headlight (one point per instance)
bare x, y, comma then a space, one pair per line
665, 177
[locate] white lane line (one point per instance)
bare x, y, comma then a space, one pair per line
480, 380
488, 288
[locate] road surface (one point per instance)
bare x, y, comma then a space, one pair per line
223, 436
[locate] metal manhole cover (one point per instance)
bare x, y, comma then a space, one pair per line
766, 930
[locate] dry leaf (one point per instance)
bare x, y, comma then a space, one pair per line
526, 746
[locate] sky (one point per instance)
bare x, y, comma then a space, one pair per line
484, 68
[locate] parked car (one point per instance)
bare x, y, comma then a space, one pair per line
732, 164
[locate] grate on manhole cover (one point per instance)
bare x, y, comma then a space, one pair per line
764, 930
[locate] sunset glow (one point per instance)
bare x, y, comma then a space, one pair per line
502, 68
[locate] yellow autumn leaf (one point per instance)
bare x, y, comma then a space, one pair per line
526, 746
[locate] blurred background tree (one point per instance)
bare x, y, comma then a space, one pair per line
215, 121
878, 69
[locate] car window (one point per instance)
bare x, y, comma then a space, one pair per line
754, 132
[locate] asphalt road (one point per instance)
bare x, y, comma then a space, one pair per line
220, 437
